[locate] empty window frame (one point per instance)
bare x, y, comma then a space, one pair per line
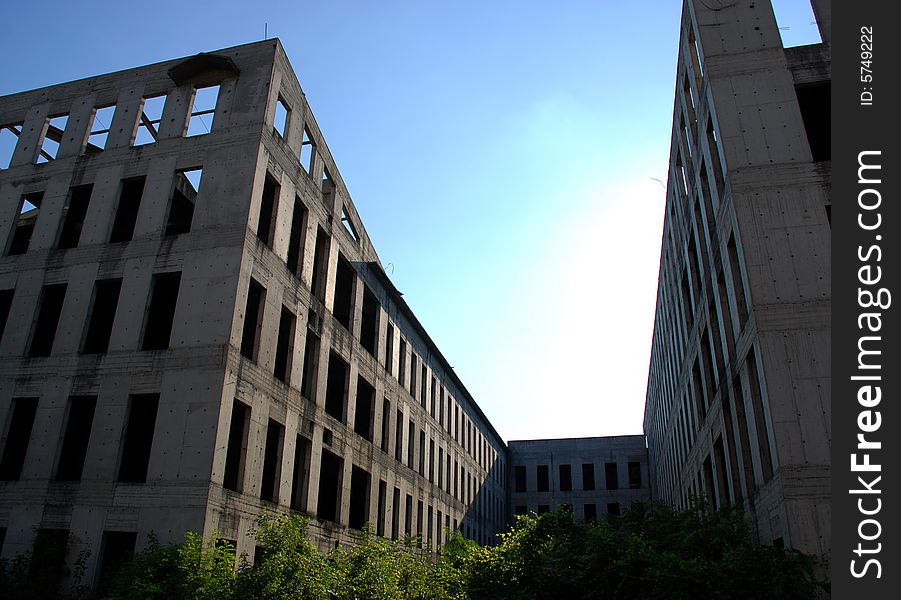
613, 509
336, 387
253, 320
634, 474
26, 219
101, 123
102, 315
369, 326
236, 451
359, 498
74, 213
9, 138
126, 218
268, 211
389, 349
543, 478
349, 226
44, 331
272, 461
185, 187
386, 424
344, 292
399, 435
591, 512
203, 109
310, 366
6, 302
284, 349
51, 138
298, 235
137, 441
307, 152
519, 478
611, 476
148, 130
381, 508
18, 435
331, 475
76, 437
566, 478
320, 264
814, 100
365, 405
161, 310
301, 479
280, 119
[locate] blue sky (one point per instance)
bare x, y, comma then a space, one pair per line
504, 157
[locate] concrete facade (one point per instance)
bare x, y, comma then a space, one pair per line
592, 476
738, 399
196, 327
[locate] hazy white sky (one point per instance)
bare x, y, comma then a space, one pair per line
502, 156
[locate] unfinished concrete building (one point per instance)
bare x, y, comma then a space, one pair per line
738, 399
592, 477
195, 327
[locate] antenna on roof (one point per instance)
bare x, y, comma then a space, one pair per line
265, 31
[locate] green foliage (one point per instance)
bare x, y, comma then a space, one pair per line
650, 552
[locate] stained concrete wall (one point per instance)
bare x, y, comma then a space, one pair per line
738, 394
203, 372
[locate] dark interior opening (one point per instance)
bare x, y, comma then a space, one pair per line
364, 408
51, 306
359, 498
73, 216
253, 314
233, 478
272, 461
369, 328
296, 240
17, 438
814, 100
310, 366
76, 437
336, 387
127, 210
284, 349
103, 313
161, 313
301, 480
136, 446
268, 208
344, 292
331, 473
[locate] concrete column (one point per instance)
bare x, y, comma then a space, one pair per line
74, 314
78, 125
154, 207
51, 213
32, 135
124, 127
98, 221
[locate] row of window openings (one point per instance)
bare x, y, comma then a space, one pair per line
307, 154
199, 122
185, 187
342, 310
135, 444
96, 337
589, 510
611, 477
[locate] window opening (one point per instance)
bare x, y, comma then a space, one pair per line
51, 306
634, 475
296, 241
6, 302
543, 479
365, 405
336, 387
814, 100
280, 122
185, 187
74, 214
310, 366
389, 349
369, 329
103, 313
52, 138
349, 226
26, 219
268, 211
17, 438
395, 514
591, 513
272, 461
118, 547
76, 437
796, 22
611, 476
382, 514
161, 311
100, 128
613, 509
320, 264
253, 320
127, 210
519, 478
344, 292
203, 110
9, 138
138, 439
151, 117
411, 445
386, 423
331, 473
307, 151
301, 479
284, 350
359, 498
566, 478
236, 453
